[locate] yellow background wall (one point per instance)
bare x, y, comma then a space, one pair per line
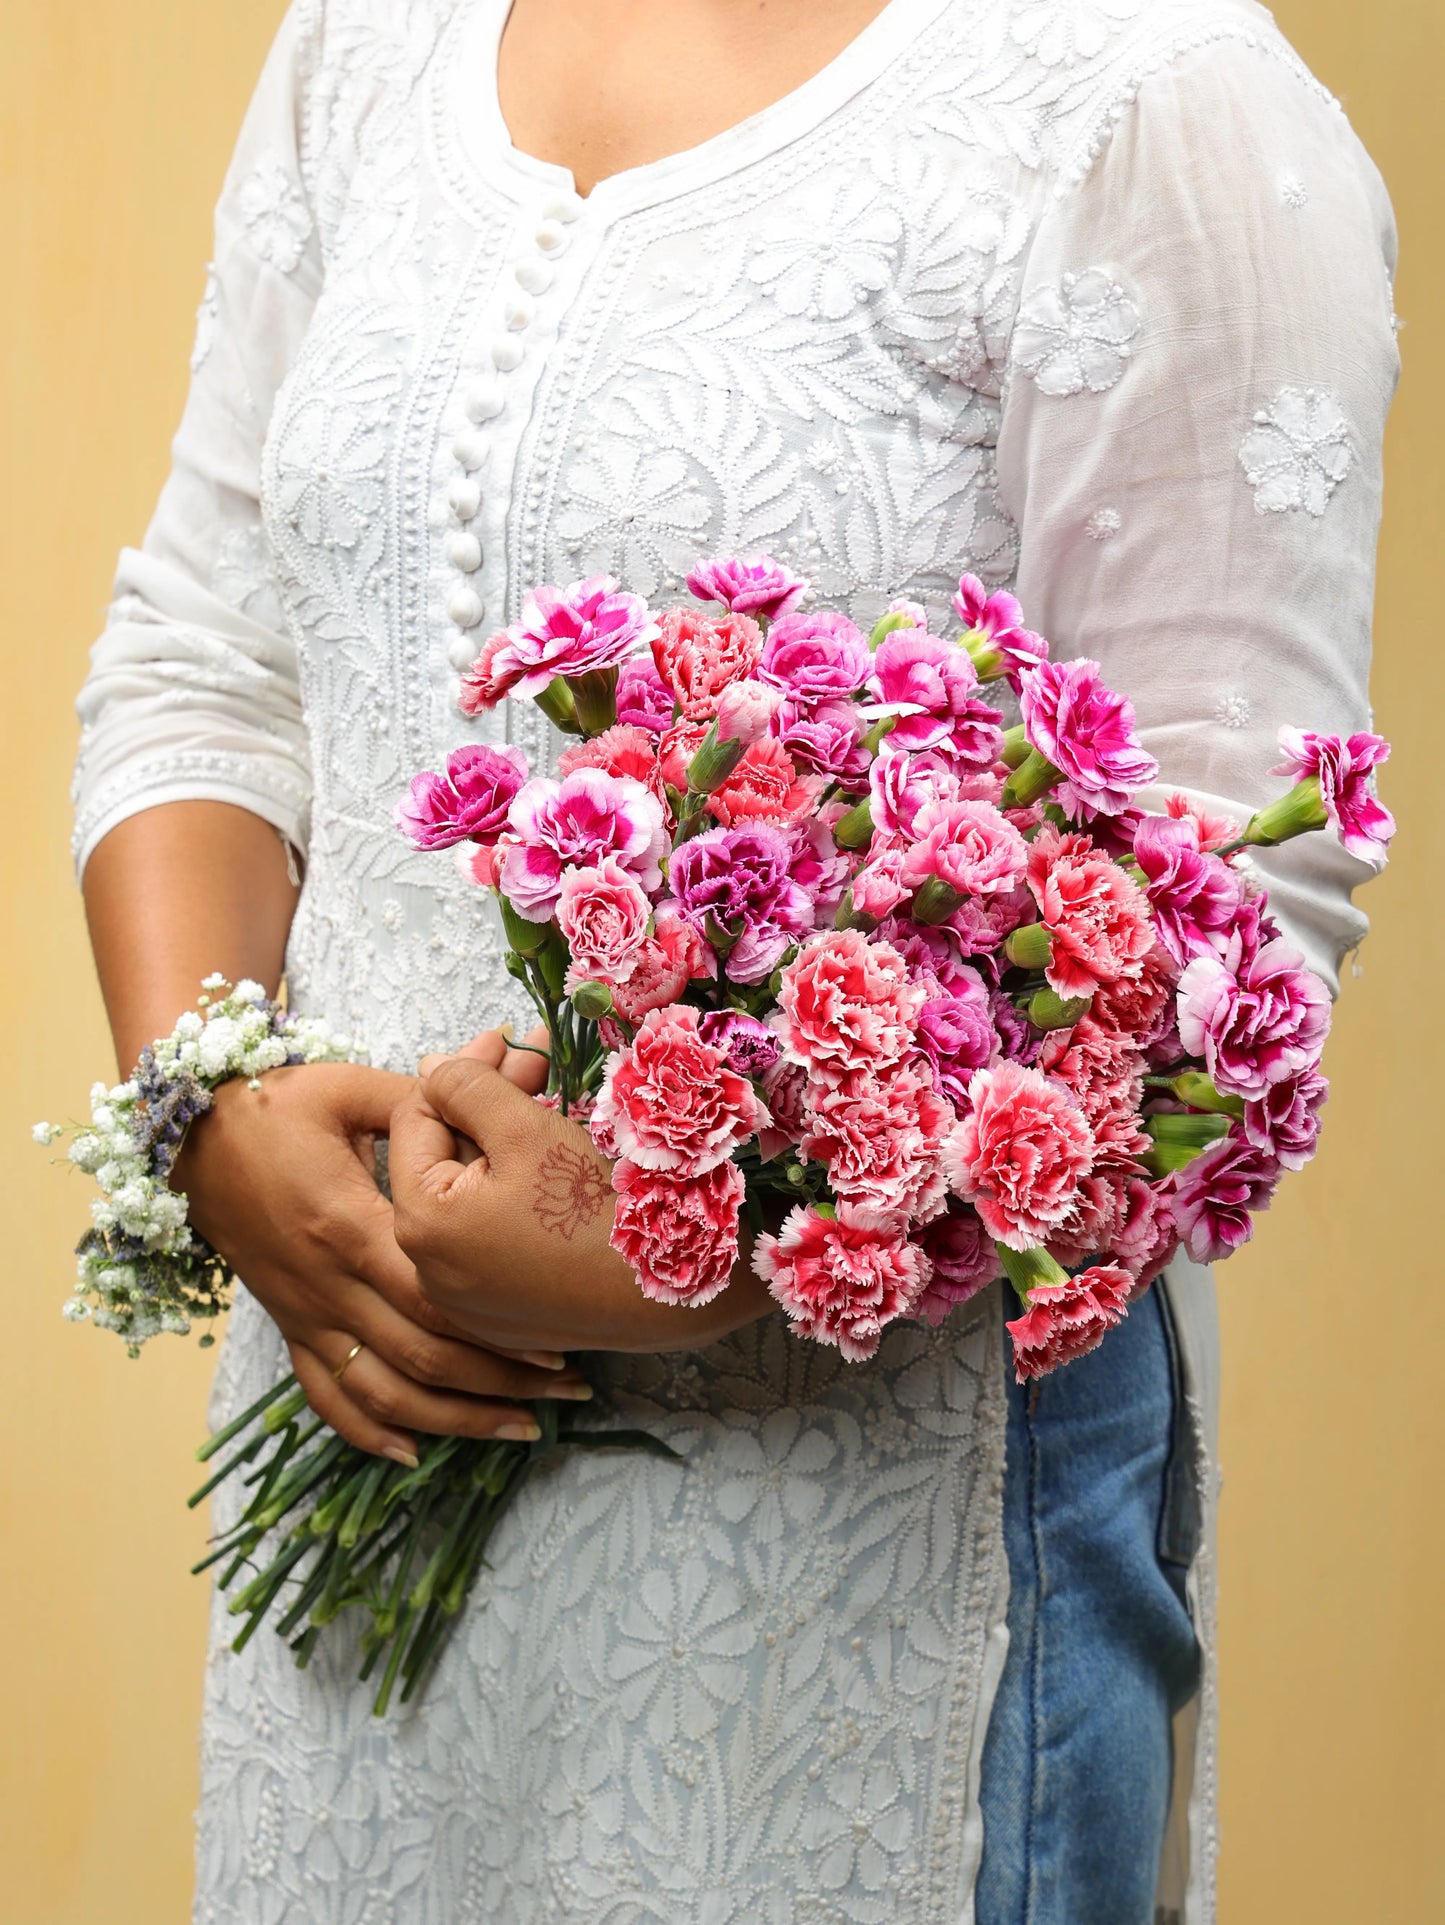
115, 123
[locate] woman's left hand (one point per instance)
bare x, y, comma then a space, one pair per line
513, 1244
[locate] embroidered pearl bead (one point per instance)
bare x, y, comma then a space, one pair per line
461, 652
535, 276
507, 352
466, 608
519, 313
464, 551
464, 499
485, 401
470, 450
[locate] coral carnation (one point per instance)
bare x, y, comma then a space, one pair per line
841, 1279
880, 1137
699, 655
846, 1004
680, 1236
671, 1102
764, 787
1020, 1155
1097, 919
1067, 1320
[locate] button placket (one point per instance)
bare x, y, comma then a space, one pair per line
486, 398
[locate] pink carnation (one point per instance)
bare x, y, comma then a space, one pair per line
1067, 1320
1193, 895
899, 785
491, 677
841, 1279
964, 1260
603, 915
1285, 1120
815, 657
825, 737
665, 963
1097, 919
1345, 768
699, 655
997, 622
593, 624
785, 1088
644, 700
745, 712
576, 822
624, 749
680, 1236
880, 1138
470, 802
1087, 732
1261, 1025
1217, 1196
1212, 831
1105, 1074
956, 1033
925, 684
759, 586
764, 787
969, 846
670, 1102
981, 924
1020, 1154
879, 886
846, 1004
819, 866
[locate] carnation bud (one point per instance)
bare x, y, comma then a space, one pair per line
714, 762
555, 702
935, 902
524, 937
988, 663
594, 697
1291, 815
855, 829
1179, 1139
1050, 1011
744, 710
1199, 1092
592, 1001
849, 918
1030, 947
895, 618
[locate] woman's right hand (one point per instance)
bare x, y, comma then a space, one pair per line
280, 1181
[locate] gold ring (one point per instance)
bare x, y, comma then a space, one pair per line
347, 1361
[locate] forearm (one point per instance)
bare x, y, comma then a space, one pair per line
175, 893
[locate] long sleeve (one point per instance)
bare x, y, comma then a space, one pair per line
1199, 376
194, 691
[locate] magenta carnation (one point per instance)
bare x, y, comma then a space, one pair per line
740, 880
1344, 768
841, 1279
1087, 732
824, 737
576, 822
1020, 1154
751, 1048
468, 803
680, 1236
816, 657
1193, 895
1217, 1196
593, 624
899, 785
846, 1004
670, 1101
643, 699
957, 1035
1261, 1024
759, 586
1285, 1120
995, 625
925, 684
1068, 1320
963, 1258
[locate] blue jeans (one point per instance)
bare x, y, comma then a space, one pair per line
1100, 1524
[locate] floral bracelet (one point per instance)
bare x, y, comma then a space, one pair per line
143, 1270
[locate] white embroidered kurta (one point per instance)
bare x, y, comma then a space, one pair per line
1087, 296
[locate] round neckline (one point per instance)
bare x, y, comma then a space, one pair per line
484, 132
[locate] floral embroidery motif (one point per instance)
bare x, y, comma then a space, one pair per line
1104, 524
1292, 191
1233, 710
1298, 452
275, 215
825, 271
1076, 336
1060, 32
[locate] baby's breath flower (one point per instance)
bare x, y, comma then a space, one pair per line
46, 1133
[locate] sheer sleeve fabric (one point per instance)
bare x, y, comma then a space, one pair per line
1191, 445
193, 691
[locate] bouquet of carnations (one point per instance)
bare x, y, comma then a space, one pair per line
810, 927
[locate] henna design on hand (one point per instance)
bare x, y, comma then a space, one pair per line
570, 1189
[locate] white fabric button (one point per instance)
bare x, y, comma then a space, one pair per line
485, 401
562, 207
507, 352
461, 652
464, 499
466, 608
551, 237
520, 312
535, 276
470, 450
464, 551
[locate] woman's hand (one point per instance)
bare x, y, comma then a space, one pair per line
280, 1180
513, 1244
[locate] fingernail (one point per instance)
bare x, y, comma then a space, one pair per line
407, 1458
506, 1032
519, 1433
544, 1359
574, 1393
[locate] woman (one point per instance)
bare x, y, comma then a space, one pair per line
1091, 296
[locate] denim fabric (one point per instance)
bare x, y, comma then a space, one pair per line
1100, 1523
